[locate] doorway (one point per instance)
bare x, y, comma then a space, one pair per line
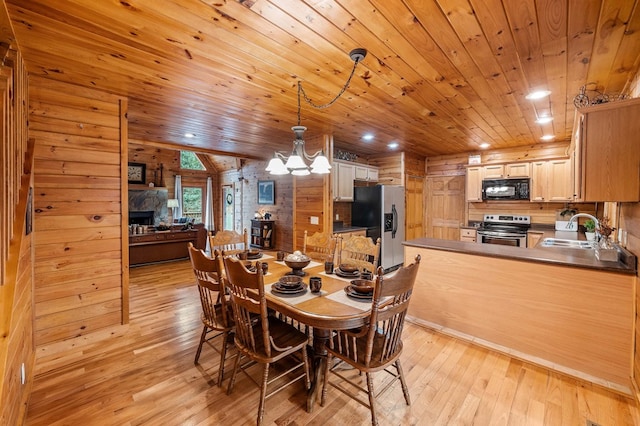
228, 209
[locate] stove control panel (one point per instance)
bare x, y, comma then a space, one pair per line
507, 218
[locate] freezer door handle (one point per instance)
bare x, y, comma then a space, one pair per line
394, 212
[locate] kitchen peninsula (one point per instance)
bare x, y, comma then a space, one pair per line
562, 309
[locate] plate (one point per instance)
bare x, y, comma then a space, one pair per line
339, 272
254, 256
360, 296
279, 291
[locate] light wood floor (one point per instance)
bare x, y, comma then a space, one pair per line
143, 374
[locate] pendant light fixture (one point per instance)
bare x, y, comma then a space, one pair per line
296, 162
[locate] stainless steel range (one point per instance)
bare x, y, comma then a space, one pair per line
504, 229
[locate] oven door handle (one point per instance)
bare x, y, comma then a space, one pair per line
500, 234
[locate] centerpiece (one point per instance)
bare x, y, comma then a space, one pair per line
296, 261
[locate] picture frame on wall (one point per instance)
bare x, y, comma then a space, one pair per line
266, 193
136, 173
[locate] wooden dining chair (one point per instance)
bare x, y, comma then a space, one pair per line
260, 337
360, 251
231, 242
320, 246
376, 346
216, 314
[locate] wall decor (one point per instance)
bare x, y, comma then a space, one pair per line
266, 193
345, 155
136, 173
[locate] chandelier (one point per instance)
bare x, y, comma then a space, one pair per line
295, 163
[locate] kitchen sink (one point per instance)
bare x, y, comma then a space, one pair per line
559, 242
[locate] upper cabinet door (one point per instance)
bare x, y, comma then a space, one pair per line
474, 184
344, 176
611, 152
495, 171
517, 170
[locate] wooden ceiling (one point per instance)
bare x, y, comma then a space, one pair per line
440, 77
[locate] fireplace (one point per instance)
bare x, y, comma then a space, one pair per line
141, 218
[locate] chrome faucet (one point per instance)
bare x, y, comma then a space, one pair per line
595, 220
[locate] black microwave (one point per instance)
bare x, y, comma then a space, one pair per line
505, 189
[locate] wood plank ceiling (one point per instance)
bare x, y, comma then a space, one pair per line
441, 76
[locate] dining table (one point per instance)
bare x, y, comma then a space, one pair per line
329, 309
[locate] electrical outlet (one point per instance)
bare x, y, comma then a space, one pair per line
314, 220
337, 216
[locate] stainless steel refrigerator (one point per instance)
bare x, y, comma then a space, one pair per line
380, 209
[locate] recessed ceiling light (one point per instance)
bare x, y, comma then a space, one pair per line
392, 145
544, 120
538, 94
484, 145
547, 137
367, 137
189, 135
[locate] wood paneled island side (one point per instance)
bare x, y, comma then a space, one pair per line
576, 320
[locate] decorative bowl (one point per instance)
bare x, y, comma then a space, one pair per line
348, 267
290, 281
362, 286
297, 264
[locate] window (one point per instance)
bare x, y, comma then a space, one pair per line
192, 203
189, 160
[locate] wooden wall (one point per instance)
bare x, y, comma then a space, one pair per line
391, 168
312, 197
456, 164
16, 243
245, 182
80, 136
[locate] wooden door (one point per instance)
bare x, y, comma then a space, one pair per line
414, 223
445, 207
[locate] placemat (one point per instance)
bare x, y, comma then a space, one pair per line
294, 299
337, 277
341, 296
311, 264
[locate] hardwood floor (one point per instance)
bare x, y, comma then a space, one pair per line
143, 374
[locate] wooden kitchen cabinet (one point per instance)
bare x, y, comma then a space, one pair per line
551, 181
533, 238
365, 173
343, 177
474, 184
516, 170
609, 143
467, 234
494, 171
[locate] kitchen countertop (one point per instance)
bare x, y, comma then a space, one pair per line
580, 258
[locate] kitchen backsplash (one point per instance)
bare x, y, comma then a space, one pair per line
343, 210
541, 213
